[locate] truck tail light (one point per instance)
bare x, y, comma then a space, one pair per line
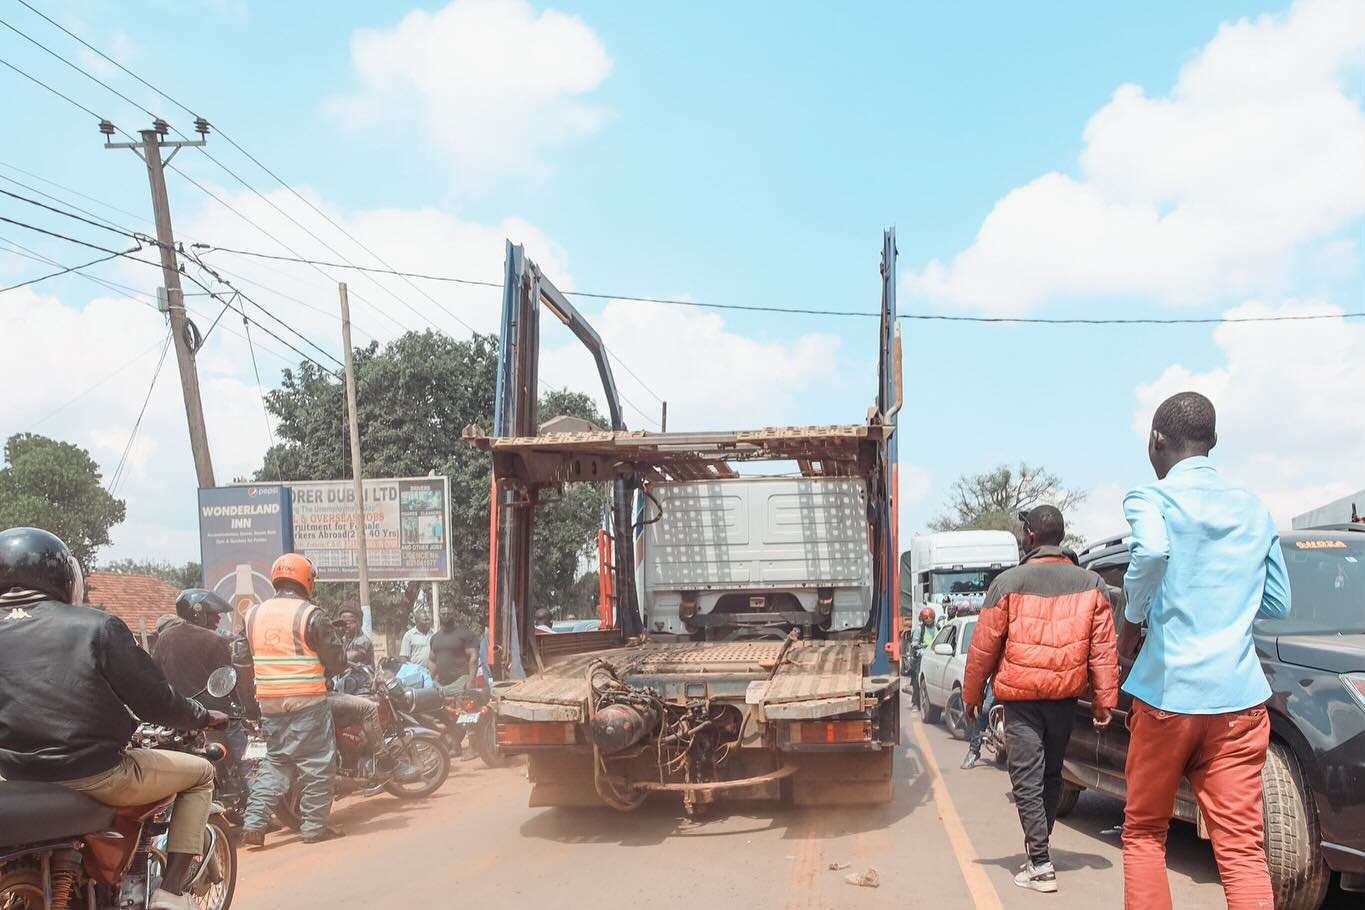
536, 733
811, 732
1355, 685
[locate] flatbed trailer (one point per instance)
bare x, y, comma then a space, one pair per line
745, 686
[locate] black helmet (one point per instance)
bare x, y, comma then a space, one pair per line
32, 559
194, 604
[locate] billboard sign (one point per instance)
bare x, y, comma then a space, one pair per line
242, 530
405, 528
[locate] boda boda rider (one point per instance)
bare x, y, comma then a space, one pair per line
294, 648
71, 676
188, 648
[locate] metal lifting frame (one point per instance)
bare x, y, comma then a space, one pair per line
516, 413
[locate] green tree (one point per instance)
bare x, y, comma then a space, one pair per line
414, 397
565, 532
185, 576
992, 500
56, 486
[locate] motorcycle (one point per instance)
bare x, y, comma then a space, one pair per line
464, 717
61, 849
406, 739
993, 742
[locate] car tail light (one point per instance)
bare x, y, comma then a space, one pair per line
469, 705
541, 733
1355, 684
809, 732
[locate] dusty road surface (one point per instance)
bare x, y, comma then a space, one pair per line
950, 840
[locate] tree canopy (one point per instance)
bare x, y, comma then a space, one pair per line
56, 486
414, 396
992, 500
184, 576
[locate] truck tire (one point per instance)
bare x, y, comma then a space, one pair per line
1298, 874
927, 712
1067, 800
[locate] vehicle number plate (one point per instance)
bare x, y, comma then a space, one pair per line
469, 720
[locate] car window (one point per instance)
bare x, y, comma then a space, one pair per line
1326, 586
945, 635
967, 629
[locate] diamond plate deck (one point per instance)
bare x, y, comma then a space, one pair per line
819, 669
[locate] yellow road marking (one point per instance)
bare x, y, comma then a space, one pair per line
978, 884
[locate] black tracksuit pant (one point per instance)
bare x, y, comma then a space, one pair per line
1036, 734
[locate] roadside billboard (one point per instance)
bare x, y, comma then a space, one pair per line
242, 530
405, 528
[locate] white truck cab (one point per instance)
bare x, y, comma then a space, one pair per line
955, 567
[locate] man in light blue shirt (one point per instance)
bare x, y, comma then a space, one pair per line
1206, 561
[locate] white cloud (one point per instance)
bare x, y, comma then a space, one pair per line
491, 82
1258, 150
1099, 515
712, 376
95, 381
1290, 401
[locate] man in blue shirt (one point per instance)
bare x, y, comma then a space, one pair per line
1206, 562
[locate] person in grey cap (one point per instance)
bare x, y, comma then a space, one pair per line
1045, 638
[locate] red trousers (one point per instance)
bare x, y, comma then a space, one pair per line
1222, 756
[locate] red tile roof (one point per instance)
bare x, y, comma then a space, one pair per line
135, 599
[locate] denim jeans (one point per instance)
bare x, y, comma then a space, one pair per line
299, 746
983, 720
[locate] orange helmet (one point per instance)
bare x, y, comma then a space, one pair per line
297, 568
926, 615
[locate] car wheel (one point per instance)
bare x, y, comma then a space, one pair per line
953, 717
1297, 872
1067, 800
927, 712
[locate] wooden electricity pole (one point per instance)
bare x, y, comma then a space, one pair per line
149, 150
366, 618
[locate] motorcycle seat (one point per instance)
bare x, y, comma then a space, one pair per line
32, 812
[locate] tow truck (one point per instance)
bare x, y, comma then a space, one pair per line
753, 648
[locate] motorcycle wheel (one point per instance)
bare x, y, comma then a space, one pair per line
426, 753
486, 743
21, 889
218, 895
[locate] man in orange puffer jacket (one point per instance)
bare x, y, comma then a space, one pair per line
1046, 637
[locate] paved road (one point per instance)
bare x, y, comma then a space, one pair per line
950, 840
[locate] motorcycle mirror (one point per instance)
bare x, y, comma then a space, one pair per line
221, 682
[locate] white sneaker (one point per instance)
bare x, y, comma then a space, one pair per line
165, 900
1037, 878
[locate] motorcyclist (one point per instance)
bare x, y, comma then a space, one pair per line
359, 648
294, 648
188, 648
923, 635
73, 678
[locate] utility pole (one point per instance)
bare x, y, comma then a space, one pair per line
149, 150
366, 619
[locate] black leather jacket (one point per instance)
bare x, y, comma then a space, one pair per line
69, 676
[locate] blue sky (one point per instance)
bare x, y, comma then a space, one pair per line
752, 153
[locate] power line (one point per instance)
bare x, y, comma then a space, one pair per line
278, 179
39, 82
803, 311
194, 182
123, 459
60, 272
269, 430
114, 225
70, 401
200, 284
149, 302
143, 239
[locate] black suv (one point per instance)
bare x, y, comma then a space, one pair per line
1315, 770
